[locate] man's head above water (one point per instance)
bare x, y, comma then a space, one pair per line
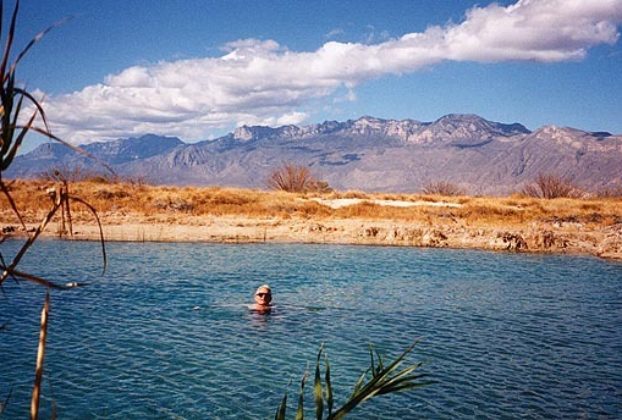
263, 296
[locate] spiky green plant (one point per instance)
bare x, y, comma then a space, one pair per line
378, 379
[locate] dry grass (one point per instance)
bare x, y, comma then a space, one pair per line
176, 204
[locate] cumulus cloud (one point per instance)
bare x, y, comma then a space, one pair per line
262, 82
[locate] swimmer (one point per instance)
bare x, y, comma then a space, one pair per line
263, 297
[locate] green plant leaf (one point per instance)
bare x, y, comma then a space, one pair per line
403, 388
380, 362
359, 383
371, 363
317, 388
329, 387
301, 399
372, 388
281, 411
384, 380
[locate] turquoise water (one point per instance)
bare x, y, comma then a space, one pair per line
164, 333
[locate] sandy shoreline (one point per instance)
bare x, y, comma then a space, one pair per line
140, 213
567, 238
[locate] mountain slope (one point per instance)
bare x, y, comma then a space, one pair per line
368, 153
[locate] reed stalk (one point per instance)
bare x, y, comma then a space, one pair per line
14, 127
43, 331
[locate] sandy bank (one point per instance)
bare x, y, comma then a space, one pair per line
605, 242
131, 212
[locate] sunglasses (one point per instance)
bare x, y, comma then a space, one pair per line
262, 294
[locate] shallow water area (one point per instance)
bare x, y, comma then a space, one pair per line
166, 331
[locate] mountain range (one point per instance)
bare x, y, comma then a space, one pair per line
369, 154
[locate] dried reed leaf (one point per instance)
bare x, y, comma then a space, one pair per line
9, 42
36, 390
7, 194
99, 225
31, 277
74, 148
31, 240
38, 38
5, 403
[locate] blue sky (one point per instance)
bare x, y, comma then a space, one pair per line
198, 69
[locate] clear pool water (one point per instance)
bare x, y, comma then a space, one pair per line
164, 334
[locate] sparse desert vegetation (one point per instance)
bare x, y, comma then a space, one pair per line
134, 210
442, 188
295, 178
140, 199
551, 186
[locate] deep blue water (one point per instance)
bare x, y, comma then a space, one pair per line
503, 335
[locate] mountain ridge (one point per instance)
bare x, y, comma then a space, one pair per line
369, 153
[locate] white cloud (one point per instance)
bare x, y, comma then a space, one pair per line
334, 33
257, 81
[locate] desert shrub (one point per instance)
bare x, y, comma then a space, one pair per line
172, 204
594, 217
442, 188
295, 178
614, 191
549, 186
354, 194
590, 206
320, 187
229, 197
110, 194
487, 211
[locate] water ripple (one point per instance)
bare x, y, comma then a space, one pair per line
166, 334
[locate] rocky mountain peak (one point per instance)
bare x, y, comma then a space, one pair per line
367, 153
246, 133
467, 123
563, 135
327, 127
367, 120
366, 126
452, 126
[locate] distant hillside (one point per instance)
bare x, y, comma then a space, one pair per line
370, 154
